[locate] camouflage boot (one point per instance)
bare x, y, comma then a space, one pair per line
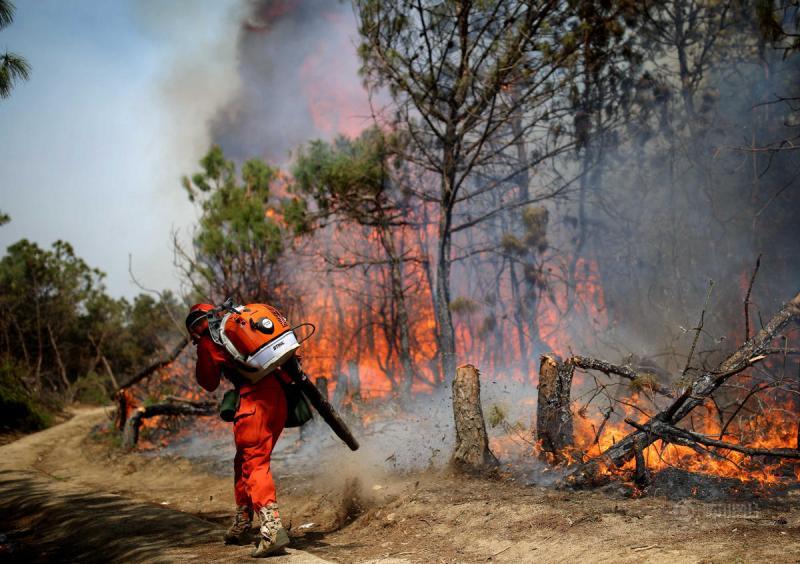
274, 537
239, 531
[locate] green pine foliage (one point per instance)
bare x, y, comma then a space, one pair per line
242, 233
19, 409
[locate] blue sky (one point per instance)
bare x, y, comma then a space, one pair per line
93, 146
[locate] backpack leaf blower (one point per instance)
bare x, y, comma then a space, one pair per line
258, 336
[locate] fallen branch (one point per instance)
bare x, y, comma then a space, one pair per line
681, 436
130, 434
158, 364
749, 353
607, 368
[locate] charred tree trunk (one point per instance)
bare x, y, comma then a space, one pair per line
441, 290
401, 309
340, 392
642, 475
553, 416
130, 434
125, 404
472, 444
354, 381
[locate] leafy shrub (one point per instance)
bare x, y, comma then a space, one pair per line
91, 389
18, 410
496, 415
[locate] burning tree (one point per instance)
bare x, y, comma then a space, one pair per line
448, 66
353, 180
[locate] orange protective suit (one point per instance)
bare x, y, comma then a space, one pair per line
259, 422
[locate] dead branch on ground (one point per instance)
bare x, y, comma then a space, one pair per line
672, 434
173, 406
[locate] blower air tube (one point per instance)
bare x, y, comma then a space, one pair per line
323, 407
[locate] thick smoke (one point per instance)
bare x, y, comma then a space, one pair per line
299, 73
197, 77
692, 206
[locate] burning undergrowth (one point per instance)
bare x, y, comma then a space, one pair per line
753, 410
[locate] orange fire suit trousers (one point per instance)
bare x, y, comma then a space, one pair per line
258, 423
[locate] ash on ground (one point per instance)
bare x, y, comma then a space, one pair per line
676, 484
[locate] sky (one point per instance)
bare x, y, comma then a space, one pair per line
93, 146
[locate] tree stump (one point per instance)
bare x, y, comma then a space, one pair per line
472, 444
553, 416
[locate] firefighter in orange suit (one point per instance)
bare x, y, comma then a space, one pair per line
259, 421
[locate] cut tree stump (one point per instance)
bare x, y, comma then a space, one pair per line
553, 416
472, 444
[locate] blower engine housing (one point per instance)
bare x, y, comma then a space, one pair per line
258, 336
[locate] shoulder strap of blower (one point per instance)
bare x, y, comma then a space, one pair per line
215, 317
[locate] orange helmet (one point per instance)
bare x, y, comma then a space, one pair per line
197, 320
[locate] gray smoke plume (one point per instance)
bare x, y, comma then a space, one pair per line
299, 74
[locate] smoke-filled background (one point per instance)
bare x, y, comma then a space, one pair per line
639, 155
298, 69
649, 188
635, 219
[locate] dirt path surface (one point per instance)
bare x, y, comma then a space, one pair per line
55, 507
69, 498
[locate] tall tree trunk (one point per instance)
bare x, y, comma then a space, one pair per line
341, 335
399, 298
519, 319
444, 319
354, 380
322, 385
62, 370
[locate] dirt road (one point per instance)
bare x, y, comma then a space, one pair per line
66, 498
52, 511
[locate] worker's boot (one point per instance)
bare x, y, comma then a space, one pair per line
274, 537
239, 531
